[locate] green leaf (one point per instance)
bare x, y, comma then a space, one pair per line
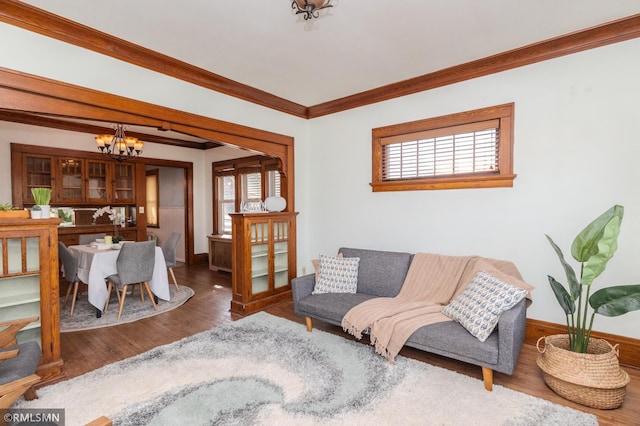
574, 285
564, 299
617, 300
585, 245
595, 245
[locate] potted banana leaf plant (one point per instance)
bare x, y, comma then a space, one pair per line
593, 247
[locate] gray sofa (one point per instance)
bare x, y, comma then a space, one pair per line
381, 274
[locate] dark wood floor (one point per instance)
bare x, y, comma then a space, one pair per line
84, 351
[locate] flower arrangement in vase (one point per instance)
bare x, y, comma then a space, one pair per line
115, 216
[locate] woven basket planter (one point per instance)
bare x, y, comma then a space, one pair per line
594, 379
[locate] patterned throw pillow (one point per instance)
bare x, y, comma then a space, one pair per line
479, 307
337, 275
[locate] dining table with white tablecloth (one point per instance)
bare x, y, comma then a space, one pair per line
96, 264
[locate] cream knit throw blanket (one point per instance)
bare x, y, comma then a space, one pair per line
431, 282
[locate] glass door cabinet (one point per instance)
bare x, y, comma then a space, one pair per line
29, 286
264, 260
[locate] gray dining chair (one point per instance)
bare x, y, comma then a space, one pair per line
70, 273
169, 252
89, 238
135, 265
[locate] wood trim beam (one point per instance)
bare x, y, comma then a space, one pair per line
52, 123
48, 24
629, 348
38, 94
37, 20
613, 32
45, 23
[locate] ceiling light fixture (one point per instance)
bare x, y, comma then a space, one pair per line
310, 8
119, 147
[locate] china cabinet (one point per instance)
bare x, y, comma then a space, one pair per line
73, 179
71, 187
264, 259
123, 183
36, 172
29, 286
98, 182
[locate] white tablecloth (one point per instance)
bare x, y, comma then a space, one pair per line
95, 265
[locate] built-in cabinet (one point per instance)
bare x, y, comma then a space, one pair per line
29, 285
99, 184
81, 181
264, 259
76, 180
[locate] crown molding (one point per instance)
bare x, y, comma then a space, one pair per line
602, 35
37, 20
48, 24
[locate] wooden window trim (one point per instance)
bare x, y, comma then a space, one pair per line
505, 177
237, 167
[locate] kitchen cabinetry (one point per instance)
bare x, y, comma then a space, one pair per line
264, 259
29, 286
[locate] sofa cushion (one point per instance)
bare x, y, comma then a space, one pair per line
337, 275
316, 265
330, 307
380, 273
450, 339
22, 365
479, 307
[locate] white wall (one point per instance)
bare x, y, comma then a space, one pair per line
575, 154
35, 54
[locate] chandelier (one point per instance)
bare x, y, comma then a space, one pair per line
310, 8
119, 147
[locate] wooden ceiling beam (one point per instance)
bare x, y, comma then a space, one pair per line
48, 24
55, 123
37, 20
613, 32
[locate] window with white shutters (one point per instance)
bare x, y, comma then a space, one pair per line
466, 150
245, 181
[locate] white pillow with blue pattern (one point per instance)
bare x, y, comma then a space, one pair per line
479, 307
337, 275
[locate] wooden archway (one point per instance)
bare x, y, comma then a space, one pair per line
24, 93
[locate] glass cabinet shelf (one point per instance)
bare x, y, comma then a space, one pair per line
19, 299
29, 272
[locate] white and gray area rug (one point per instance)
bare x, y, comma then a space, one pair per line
84, 315
265, 370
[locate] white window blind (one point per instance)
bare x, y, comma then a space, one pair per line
226, 202
465, 149
273, 183
251, 186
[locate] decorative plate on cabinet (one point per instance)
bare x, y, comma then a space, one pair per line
275, 204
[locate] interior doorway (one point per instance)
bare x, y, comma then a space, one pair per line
167, 205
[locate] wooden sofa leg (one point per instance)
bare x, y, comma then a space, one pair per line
309, 324
487, 375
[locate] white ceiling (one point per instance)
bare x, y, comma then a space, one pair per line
354, 47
